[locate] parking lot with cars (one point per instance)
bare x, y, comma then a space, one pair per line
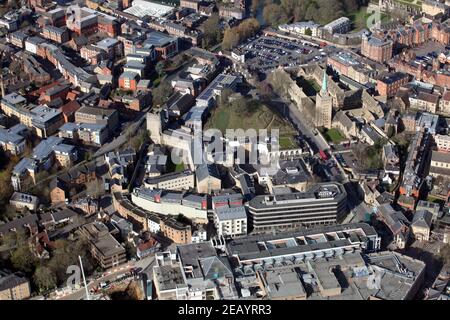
264, 53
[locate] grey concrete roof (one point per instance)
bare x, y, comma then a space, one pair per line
248, 248
440, 156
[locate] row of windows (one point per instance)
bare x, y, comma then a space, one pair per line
324, 206
278, 215
298, 221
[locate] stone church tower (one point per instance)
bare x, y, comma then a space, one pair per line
324, 105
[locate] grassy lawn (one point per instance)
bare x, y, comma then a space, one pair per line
172, 167
314, 85
223, 118
310, 87
359, 18
433, 199
411, 3
220, 120
230, 117
334, 135
179, 167
286, 143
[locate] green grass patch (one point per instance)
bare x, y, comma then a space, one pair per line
287, 143
220, 120
174, 167
247, 115
333, 135
179, 167
411, 3
310, 86
251, 114
434, 199
359, 18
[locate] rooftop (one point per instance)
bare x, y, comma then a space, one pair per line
440, 156
107, 43
142, 8
317, 192
158, 39
392, 77
300, 243
221, 82
230, 213
9, 280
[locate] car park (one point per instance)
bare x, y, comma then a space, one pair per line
265, 53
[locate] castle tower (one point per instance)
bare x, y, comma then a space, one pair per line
154, 126
324, 105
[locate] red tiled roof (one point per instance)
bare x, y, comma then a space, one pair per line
446, 96
72, 95
70, 107
147, 245
38, 92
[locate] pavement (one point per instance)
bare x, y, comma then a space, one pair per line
291, 112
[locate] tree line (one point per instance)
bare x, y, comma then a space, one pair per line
45, 273
320, 11
236, 35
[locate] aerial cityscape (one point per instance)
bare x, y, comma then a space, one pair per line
225, 150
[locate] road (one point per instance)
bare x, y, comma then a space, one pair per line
108, 276
297, 119
317, 142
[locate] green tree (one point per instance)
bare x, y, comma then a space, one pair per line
212, 33
6, 189
44, 278
131, 250
160, 67
308, 32
234, 36
65, 254
88, 156
274, 15
351, 5
161, 93
23, 259
230, 39
391, 132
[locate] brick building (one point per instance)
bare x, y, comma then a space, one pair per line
376, 49
176, 231
389, 84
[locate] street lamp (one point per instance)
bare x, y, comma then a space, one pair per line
84, 279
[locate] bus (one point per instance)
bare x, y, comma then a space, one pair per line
323, 155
